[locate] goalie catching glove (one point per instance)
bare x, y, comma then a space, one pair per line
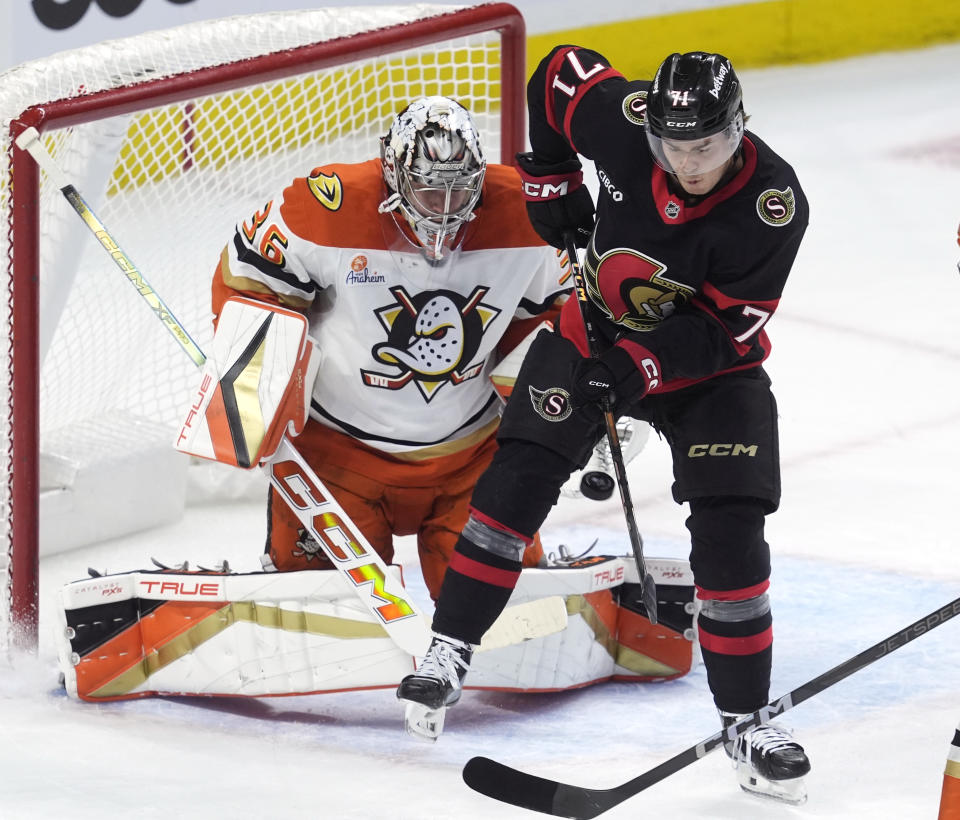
557, 200
256, 385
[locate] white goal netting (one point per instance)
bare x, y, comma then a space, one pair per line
172, 137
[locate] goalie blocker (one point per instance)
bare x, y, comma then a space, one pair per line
168, 632
256, 385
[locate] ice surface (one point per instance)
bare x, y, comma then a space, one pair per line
865, 365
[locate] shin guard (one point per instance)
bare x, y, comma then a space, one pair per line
478, 583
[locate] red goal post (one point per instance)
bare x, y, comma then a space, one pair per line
171, 137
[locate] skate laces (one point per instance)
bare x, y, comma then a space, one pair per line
765, 739
444, 661
604, 456
565, 557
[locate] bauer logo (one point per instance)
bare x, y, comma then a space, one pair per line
552, 404
776, 207
360, 273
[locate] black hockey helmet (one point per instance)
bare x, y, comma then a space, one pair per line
694, 96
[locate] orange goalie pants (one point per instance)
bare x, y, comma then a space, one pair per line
385, 496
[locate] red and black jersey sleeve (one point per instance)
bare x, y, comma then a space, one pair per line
555, 97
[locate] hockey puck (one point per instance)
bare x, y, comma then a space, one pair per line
597, 486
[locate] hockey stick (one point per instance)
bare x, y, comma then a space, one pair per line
562, 800
319, 513
522, 622
648, 588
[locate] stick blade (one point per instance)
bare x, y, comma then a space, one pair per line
527, 791
649, 594
523, 622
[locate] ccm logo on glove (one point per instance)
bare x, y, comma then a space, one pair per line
615, 372
551, 187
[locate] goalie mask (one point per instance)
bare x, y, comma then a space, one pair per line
433, 167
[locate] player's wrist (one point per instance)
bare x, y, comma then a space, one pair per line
545, 181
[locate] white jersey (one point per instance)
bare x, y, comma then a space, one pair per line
407, 346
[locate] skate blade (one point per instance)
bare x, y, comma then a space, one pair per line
422, 722
792, 792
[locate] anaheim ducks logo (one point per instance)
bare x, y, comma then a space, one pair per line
431, 339
632, 289
326, 189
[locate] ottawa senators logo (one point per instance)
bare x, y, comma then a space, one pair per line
552, 404
632, 289
776, 207
431, 339
635, 107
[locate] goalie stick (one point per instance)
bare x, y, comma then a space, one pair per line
648, 588
319, 513
528, 791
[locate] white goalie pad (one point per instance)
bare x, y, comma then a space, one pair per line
199, 633
255, 385
260, 634
607, 636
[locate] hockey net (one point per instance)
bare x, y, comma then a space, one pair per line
172, 137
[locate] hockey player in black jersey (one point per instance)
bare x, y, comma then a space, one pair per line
697, 226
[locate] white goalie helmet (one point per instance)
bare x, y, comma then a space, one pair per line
433, 167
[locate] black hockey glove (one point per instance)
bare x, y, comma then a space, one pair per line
557, 200
613, 375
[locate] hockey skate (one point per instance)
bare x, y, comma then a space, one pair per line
437, 684
768, 762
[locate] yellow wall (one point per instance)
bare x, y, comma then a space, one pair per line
762, 34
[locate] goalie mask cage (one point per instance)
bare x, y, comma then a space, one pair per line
173, 137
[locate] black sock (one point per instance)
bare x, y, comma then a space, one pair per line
475, 590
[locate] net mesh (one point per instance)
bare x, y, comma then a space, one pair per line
170, 182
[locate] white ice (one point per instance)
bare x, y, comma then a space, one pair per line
865, 366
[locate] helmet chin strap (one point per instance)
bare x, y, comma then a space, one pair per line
391, 203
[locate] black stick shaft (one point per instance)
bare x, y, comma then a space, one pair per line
647, 585
563, 800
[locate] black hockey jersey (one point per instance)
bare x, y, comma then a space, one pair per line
692, 281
